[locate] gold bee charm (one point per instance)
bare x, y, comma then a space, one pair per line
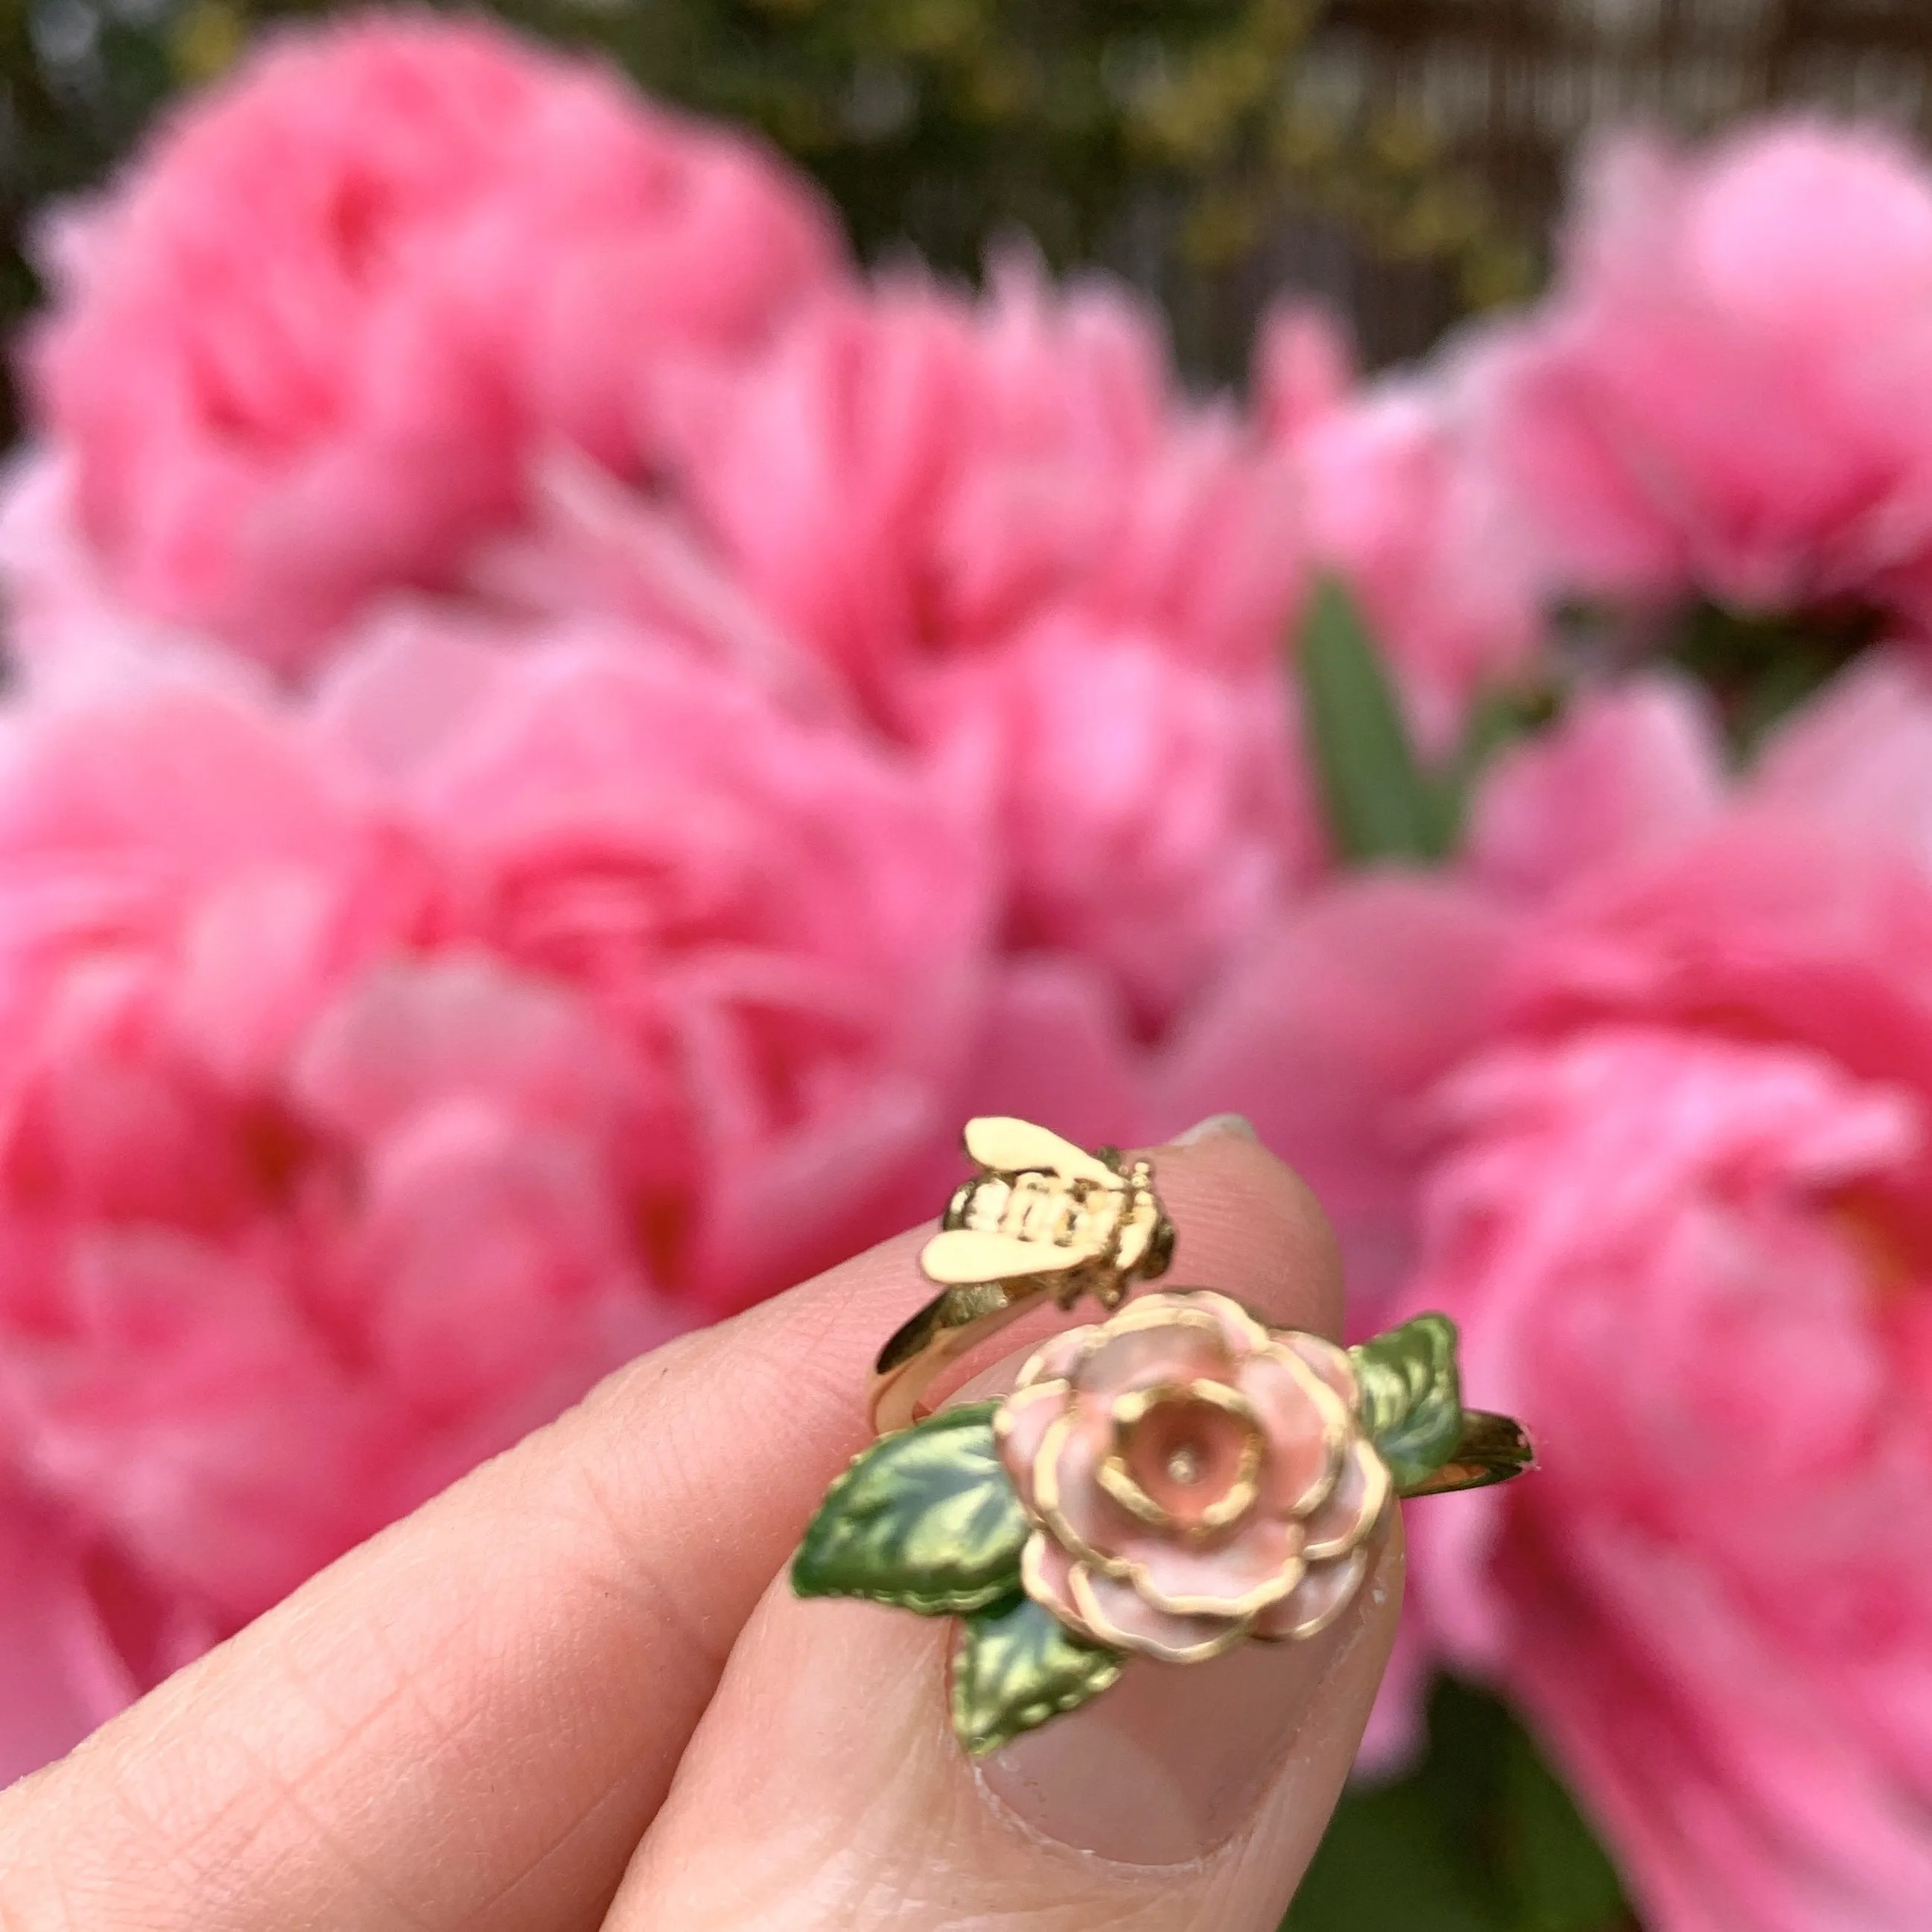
1042, 1217
1044, 1209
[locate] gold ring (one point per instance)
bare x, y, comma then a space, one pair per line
1168, 1482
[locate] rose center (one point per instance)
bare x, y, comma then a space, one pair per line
1191, 1459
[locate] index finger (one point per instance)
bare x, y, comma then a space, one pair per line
472, 1719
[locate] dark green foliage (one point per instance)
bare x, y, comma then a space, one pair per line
1480, 1838
1383, 802
1758, 667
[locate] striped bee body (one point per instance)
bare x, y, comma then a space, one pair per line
1042, 1209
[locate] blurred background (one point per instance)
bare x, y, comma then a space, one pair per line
1403, 159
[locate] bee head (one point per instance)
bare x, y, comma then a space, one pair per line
1147, 1246
1159, 1256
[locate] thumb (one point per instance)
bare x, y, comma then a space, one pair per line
824, 1787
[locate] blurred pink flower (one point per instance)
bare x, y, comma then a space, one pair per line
375, 1074
295, 1222
786, 922
1664, 1152
1398, 500
909, 476
1725, 392
1631, 768
1147, 809
307, 349
1029, 559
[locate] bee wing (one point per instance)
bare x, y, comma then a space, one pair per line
1008, 1146
961, 1255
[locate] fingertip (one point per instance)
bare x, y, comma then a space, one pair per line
1250, 1225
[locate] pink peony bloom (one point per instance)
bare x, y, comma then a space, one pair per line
297, 1220
1398, 501
1725, 391
1689, 1260
1192, 1479
785, 921
909, 476
307, 349
1148, 813
1665, 1160
376, 1073
1029, 560
1631, 769
1346, 1007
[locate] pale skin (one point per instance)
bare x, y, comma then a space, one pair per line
575, 1691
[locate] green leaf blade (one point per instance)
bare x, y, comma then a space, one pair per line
1381, 803
1412, 1397
1018, 1665
926, 1519
1562, 1878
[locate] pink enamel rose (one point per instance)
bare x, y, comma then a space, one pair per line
1193, 1477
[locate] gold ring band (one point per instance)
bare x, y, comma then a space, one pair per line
953, 1322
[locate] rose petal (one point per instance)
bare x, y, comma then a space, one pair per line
1047, 1572
1118, 1615
1330, 1361
1361, 1494
1321, 1597
1259, 1563
1066, 1487
1020, 1427
1305, 1425
1056, 1360
1157, 1346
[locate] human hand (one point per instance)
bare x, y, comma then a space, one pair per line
575, 1690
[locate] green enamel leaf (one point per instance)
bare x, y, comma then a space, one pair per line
1412, 1397
926, 1518
1019, 1665
1381, 802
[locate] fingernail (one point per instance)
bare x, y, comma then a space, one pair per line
1174, 1758
1218, 1127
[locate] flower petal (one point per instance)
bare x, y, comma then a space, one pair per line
1119, 1616
1244, 1333
1144, 1346
1316, 1601
1065, 1490
1329, 1360
1305, 1424
1020, 1426
1354, 1506
1056, 1359
1259, 1562
1047, 1572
